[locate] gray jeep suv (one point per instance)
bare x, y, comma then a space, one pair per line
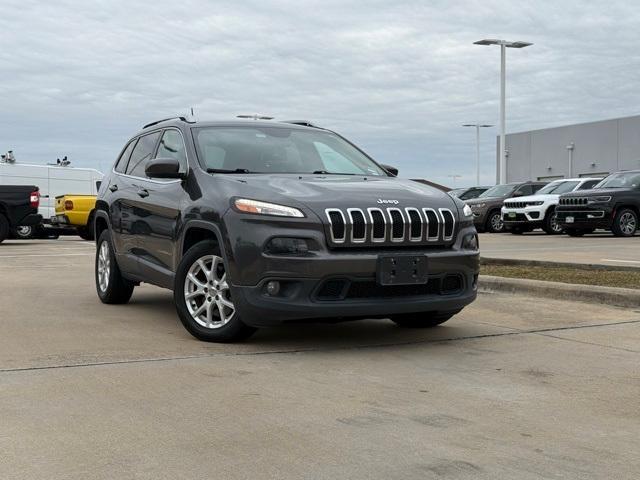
257, 223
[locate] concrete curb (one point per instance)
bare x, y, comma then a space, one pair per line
547, 264
621, 297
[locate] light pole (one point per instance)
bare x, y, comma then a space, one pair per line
504, 44
454, 178
478, 127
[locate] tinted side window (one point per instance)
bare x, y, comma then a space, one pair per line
172, 146
524, 190
588, 185
537, 187
141, 154
121, 166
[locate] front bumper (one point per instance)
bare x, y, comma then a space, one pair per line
530, 217
585, 217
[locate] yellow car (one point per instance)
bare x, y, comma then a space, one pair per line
76, 211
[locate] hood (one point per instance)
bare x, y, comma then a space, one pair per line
534, 198
317, 192
599, 192
477, 201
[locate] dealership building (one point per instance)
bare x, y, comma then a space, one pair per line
581, 150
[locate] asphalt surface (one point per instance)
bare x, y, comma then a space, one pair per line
598, 248
513, 387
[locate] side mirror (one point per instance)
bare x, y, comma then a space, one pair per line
163, 168
392, 170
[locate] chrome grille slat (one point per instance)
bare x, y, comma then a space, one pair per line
449, 226
358, 227
334, 227
432, 220
375, 222
393, 223
413, 222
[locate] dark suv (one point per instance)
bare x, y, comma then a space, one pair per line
257, 223
487, 207
614, 204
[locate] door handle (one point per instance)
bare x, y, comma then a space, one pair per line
143, 192
113, 187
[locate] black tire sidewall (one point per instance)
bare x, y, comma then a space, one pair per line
616, 223
118, 290
489, 227
234, 330
4, 228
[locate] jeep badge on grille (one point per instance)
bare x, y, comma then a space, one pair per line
394, 202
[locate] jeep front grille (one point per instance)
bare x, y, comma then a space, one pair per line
573, 201
392, 225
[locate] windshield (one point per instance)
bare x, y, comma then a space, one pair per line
279, 150
621, 180
498, 191
558, 188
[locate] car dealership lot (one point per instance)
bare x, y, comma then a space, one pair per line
598, 248
511, 388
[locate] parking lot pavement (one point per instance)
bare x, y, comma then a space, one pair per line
599, 248
513, 387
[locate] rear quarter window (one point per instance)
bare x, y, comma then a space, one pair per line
121, 164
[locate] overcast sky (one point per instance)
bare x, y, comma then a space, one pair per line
79, 77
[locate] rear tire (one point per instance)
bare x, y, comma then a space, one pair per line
24, 232
111, 286
551, 225
203, 296
422, 319
4, 228
494, 222
625, 223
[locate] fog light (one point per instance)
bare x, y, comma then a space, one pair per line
287, 246
273, 288
470, 242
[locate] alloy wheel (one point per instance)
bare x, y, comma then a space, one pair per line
555, 226
104, 266
496, 223
207, 294
628, 223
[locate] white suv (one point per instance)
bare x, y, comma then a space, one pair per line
523, 214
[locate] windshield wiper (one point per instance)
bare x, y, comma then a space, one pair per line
224, 170
324, 172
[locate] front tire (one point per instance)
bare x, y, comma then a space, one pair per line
422, 319
111, 286
203, 296
494, 222
625, 223
551, 225
4, 228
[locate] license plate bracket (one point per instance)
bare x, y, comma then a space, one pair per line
402, 270
569, 220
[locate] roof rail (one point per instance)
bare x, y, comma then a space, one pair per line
304, 123
183, 119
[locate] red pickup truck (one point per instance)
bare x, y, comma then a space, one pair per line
18, 207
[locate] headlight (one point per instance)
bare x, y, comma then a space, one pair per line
466, 211
264, 208
602, 199
534, 204
480, 205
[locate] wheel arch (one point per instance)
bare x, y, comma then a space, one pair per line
196, 231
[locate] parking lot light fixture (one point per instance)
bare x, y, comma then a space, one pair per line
504, 44
478, 126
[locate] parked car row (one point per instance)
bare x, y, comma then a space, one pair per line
60, 213
574, 206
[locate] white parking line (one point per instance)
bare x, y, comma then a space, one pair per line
49, 255
619, 261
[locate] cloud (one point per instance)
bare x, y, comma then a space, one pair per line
398, 78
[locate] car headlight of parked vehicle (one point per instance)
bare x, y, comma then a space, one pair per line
600, 199
534, 204
479, 205
466, 211
263, 208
